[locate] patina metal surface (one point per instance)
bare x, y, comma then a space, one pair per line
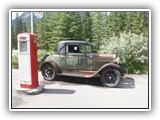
78, 61
90, 74
75, 58
54, 64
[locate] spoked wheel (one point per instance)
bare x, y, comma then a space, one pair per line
110, 77
48, 72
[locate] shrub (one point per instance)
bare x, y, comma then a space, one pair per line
41, 53
131, 48
15, 61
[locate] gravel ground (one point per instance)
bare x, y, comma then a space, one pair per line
68, 92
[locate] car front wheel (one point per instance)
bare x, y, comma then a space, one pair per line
48, 72
110, 77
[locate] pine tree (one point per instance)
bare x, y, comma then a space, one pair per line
128, 21
39, 31
105, 22
44, 32
140, 24
137, 22
146, 24
97, 30
24, 27
76, 26
116, 23
59, 26
70, 25
86, 27
56, 33
17, 24
29, 28
20, 24
13, 39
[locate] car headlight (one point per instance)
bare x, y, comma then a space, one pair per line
114, 56
117, 60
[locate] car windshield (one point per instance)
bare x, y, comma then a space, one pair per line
88, 49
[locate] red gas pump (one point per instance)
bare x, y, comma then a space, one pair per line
28, 64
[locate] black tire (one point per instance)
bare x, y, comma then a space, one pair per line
110, 77
48, 72
44, 57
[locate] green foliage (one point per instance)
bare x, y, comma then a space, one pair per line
15, 61
41, 53
116, 23
20, 24
86, 27
24, 27
137, 22
70, 25
104, 29
131, 48
13, 39
89, 26
19, 28
97, 29
58, 26
106, 32
43, 31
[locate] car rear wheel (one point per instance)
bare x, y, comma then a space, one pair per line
48, 72
110, 77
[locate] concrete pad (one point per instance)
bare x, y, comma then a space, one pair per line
68, 93
34, 91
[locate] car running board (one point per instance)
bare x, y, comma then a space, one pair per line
81, 74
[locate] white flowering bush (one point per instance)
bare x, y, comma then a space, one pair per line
131, 48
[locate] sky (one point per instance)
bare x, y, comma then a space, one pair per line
14, 14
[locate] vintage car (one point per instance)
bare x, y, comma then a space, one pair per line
75, 58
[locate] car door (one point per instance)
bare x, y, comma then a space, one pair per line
76, 59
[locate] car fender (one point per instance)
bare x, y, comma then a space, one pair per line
111, 65
58, 70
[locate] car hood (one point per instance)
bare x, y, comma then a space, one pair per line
110, 57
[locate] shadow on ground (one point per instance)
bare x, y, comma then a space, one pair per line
58, 91
126, 83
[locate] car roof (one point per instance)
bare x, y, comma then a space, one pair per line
61, 44
73, 42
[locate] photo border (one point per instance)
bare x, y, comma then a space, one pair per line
79, 109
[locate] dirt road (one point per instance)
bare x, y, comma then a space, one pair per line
67, 92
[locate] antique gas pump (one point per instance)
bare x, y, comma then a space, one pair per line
27, 58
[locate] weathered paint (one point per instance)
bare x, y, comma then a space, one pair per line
58, 70
90, 74
80, 61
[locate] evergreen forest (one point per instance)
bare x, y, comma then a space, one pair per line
122, 33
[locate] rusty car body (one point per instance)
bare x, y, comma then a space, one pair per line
75, 58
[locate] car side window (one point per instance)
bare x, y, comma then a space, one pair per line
88, 49
75, 49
